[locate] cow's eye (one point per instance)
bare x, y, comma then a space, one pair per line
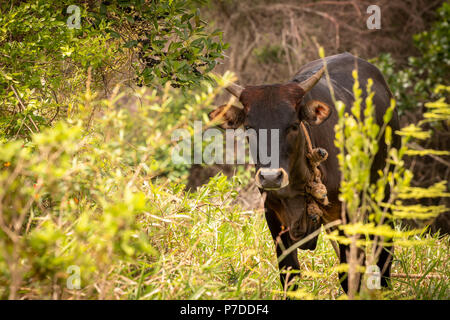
293, 128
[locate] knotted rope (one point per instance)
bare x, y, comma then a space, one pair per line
315, 189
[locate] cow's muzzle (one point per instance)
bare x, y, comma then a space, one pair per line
271, 179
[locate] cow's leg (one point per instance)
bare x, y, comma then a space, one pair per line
343, 276
290, 262
385, 258
385, 263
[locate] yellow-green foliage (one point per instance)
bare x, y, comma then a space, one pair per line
82, 194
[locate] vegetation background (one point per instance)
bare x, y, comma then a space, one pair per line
91, 206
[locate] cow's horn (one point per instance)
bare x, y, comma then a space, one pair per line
233, 88
309, 83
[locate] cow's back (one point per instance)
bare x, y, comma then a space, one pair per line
340, 68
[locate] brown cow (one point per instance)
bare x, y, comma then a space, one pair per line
306, 99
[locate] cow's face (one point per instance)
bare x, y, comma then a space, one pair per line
279, 109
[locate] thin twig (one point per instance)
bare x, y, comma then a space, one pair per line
414, 145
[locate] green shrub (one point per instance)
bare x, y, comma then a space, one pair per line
414, 84
43, 62
97, 200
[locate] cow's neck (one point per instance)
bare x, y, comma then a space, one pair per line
300, 172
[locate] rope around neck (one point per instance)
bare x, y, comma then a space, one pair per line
308, 139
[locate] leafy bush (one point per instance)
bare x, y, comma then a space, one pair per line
71, 197
42, 61
169, 37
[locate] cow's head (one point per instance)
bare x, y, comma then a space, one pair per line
281, 107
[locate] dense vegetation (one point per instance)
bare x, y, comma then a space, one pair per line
92, 207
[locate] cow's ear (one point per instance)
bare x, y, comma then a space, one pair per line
315, 112
228, 116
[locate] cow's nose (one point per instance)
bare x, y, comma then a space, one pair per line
271, 178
